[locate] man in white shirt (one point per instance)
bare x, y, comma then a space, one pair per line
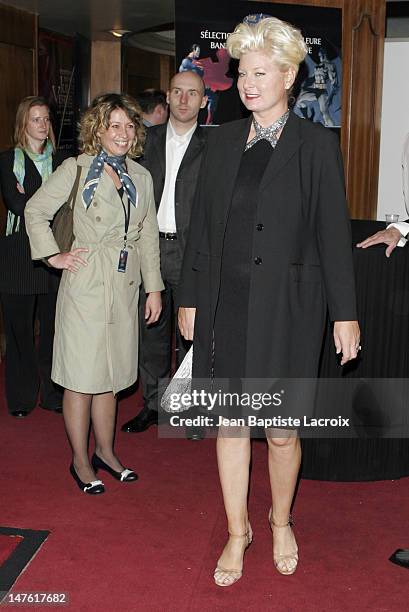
172, 155
396, 234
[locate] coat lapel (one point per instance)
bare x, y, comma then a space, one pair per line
230, 154
160, 147
195, 146
289, 142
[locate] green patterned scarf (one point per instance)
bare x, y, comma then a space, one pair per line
45, 168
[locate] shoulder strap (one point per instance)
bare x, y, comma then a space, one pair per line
74, 191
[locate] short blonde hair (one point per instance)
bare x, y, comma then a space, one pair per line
279, 39
20, 126
97, 117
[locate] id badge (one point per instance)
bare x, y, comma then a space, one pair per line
123, 257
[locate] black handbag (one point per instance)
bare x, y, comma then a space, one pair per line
63, 223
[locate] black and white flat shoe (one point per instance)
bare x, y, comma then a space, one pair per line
125, 476
94, 487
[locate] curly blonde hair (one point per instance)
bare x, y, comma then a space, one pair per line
279, 39
97, 116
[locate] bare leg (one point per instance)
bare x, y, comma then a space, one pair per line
233, 457
284, 458
76, 411
103, 413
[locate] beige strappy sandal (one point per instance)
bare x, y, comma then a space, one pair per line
224, 577
286, 564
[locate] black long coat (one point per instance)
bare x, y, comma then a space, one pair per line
302, 256
19, 274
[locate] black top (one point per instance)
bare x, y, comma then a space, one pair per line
232, 311
18, 273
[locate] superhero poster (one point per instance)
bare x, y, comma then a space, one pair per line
201, 31
56, 83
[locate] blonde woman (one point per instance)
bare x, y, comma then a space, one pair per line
27, 287
116, 245
269, 252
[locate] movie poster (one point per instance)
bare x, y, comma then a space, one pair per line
56, 84
201, 32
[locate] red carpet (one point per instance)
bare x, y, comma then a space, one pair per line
7, 545
152, 545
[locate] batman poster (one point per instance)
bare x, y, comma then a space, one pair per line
201, 33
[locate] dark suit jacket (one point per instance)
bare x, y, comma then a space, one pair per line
154, 160
302, 256
18, 273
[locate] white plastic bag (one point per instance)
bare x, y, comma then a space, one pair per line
180, 384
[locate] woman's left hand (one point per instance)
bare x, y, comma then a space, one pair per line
153, 307
346, 339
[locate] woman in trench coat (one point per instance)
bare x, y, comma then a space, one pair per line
115, 247
269, 253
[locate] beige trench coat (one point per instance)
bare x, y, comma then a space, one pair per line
96, 326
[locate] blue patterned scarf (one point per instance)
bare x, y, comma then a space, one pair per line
117, 163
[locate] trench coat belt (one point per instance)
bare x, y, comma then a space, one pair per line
104, 251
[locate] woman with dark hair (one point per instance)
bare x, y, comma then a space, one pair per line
116, 243
27, 287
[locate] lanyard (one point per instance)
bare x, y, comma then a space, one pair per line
123, 254
127, 215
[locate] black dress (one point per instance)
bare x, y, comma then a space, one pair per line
231, 322
304, 252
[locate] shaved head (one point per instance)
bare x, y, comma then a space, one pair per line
186, 97
187, 77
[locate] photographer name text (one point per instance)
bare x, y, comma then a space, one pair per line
256, 421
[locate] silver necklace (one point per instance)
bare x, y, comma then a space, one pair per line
269, 133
